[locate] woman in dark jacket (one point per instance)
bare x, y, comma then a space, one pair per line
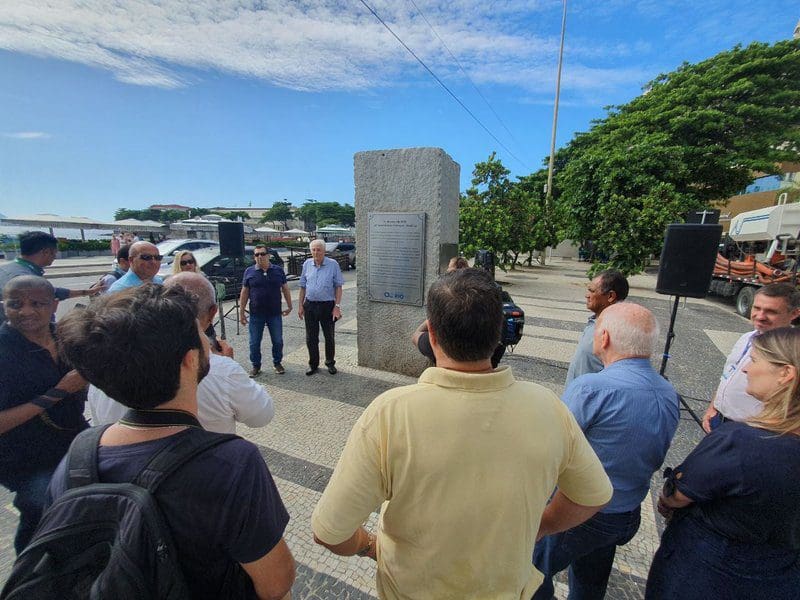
734, 504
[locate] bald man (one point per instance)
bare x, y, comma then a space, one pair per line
628, 413
226, 396
41, 399
145, 261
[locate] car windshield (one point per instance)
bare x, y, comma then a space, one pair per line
167, 247
205, 256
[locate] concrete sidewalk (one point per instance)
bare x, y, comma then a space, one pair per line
314, 415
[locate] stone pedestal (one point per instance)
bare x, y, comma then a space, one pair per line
412, 180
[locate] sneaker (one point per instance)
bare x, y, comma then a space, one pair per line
255, 371
279, 369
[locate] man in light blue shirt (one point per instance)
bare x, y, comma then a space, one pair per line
629, 414
607, 288
320, 304
144, 262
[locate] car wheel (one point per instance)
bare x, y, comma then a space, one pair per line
744, 300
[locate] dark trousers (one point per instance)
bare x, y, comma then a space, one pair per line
588, 550
696, 563
319, 314
29, 490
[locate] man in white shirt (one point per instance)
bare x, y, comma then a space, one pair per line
226, 396
775, 305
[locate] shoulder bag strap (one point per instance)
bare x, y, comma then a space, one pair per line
177, 453
82, 457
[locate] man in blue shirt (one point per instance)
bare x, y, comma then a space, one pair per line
320, 304
629, 414
262, 285
144, 262
607, 288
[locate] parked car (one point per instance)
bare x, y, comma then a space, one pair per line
226, 269
169, 248
348, 248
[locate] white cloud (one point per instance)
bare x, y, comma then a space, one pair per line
26, 135
310, 45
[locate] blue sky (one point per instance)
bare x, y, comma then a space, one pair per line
246, 102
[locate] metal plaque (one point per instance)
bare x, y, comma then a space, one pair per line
396, 257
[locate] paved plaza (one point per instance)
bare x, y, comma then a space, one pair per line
313, 415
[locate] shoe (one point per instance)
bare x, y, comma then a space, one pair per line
332, 370
255, 371
279, 369
312, 370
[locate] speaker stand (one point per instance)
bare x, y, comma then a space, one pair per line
665, 357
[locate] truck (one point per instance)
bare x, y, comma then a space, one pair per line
761, 247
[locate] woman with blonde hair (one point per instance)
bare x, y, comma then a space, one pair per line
733, 506
184, 261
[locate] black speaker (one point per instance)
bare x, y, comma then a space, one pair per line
687, 259
231, 239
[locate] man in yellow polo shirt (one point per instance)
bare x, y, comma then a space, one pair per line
462, 465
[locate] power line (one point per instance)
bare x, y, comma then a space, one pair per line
441, 83
460, 66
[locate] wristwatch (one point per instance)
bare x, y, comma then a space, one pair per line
338, 305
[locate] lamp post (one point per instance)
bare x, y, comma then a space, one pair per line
549, 191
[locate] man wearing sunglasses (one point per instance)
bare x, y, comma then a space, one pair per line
262, 286
144, 262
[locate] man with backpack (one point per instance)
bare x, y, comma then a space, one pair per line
153, 506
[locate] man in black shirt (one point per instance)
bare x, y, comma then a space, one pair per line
222, 507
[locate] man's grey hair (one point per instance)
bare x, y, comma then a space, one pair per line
317, 243
632, 328
200, 288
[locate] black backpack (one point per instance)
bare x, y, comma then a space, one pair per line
107, 540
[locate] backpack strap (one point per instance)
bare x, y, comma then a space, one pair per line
82, 457
174, 455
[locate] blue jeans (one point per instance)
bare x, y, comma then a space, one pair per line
694, 562
255, 327
29, 495
588, 550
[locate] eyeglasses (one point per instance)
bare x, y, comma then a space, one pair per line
187, 262
259, 253
149, 257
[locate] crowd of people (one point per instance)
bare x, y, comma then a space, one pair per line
487, 486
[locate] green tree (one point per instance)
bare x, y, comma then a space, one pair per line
236, 214
695, 137
308, 214
537, 228
346, 215
505, 217
198, 212
280, 211
150, 214
318, 214
485, 220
